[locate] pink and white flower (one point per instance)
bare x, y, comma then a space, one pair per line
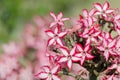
68, 56
103, 9
55, 36
58, 19
48, 73
84, 53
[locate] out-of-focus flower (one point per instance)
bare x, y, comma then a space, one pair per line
49, 74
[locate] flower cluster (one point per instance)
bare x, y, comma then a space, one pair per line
92, 46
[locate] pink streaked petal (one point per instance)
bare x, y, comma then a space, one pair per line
97, 13
88, 41
82, 60
61, 23
69, 64
43, 75
46, 68
96, 33
109, 11
50, 33
62, 34
51, 41
56, 30
106, 5
113, 66
89, 56
101, 48
106, 54
53, 15
92, 12
98, 6
87, 47
65, 19
78, 54
85, 13
55, 77
90, 21
55, 69
75, 58
59, 41
64, 51
60, 15
111, 44
63, 59
79, 47
72, 52
52, 24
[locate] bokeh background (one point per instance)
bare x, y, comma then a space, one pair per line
14, 14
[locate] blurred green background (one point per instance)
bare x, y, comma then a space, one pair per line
14, 14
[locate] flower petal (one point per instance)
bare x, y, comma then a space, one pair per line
62, 34
59, 15
69, 64
65, 19
55, 69
63, 59
51, 41
98, 6
46, 68
72, 52
109, 11
53, 15
79, 47
87, 48
50, 33
43, 75
111, 44
59, 41
64, 51
75, 58
55, 77
106, 5
85, 13
52, 24
56, 30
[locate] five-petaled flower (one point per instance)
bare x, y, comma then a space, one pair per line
107, 47
56, 36
103, 9
68, 56
48, 73
84, 53
58, 19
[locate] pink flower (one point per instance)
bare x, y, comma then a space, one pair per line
90, 35
49, 74
107, 47
12, 49
84, 53
115, 66
58, 19
68, 56
55, 36
103, 9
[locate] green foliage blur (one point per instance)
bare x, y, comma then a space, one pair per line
14, 14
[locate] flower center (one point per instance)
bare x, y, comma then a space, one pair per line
69, 57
